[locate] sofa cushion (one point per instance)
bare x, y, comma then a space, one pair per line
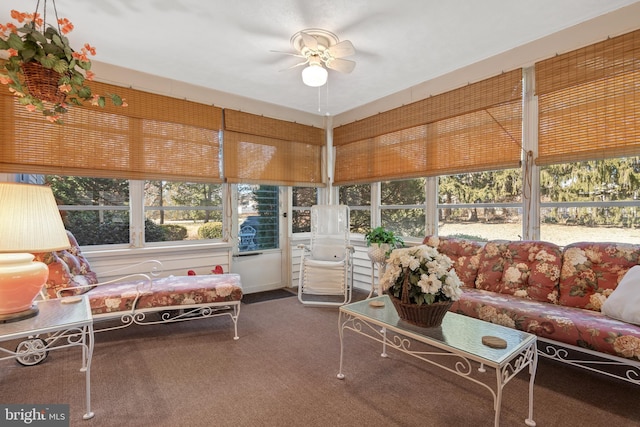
624, 302
578, 327
589, 269
165, 292
465, 255
67, 268
526, 269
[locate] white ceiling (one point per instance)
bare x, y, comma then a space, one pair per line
226, 45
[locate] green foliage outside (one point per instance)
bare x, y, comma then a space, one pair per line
210, 230
173, 232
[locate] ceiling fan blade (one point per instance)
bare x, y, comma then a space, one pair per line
342, 49
341, 65
296, 65
309, 41
297, 55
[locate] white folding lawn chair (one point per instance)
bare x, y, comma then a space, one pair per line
326, 267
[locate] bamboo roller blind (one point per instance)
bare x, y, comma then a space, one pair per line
155, 137
473, 128
589, 102
263, 150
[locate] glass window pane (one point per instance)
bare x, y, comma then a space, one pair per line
470, 223
303, 197
495, 193
258, 215
95, 210
358, 198
406, 200
176, 211
591, 201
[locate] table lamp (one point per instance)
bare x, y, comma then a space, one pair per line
29, 223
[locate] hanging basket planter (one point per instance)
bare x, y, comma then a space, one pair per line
42, 69
43, 83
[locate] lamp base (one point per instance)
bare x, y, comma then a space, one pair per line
14, 317
21, 279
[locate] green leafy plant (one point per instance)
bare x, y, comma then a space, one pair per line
382, 235
37, 44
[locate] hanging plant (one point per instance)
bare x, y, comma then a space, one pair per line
42, 69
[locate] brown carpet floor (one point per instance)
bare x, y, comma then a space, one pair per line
282, 372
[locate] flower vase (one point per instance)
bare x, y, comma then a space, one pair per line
378, 252
424, 315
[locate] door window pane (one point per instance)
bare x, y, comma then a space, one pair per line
258, 217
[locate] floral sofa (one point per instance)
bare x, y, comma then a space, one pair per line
583, 298
141, 298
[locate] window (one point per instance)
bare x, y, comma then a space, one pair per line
358, 198
303, 199
591, 201
402, 205
258, 217
182, 211
482, 206
95, 210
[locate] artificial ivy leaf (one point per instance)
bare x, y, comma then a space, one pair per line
101, 101
28, 55
57, 41
15, 42
77, 79
60, 66
117, 101
84, 92
39, 37
48, 61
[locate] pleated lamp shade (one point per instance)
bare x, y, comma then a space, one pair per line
29, 223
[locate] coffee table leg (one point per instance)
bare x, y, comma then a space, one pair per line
384, 343
533, 366
341, 333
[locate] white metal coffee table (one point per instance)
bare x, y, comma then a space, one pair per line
60, 323
455, 346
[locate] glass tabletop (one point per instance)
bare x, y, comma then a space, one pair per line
461, 333
54, 315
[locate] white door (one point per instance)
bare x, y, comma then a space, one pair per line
260, 257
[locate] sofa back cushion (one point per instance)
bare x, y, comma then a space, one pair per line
465, 255
528, 269
67, 268
591, 269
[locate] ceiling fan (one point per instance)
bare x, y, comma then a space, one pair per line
320, 49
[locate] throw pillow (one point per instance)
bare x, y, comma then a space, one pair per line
624, 302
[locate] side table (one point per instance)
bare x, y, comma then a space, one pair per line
60, 323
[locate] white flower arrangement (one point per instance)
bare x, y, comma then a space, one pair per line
431, 275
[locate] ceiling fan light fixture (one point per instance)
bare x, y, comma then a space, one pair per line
314, 75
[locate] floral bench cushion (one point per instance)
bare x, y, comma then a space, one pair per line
574, 326
526, 269
591, 271
67, 268
165, 292
465, 255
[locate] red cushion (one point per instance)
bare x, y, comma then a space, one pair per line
528, 269
593, 268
